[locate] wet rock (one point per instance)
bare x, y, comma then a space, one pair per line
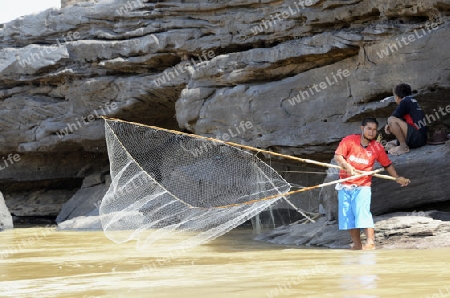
392, 231
37, 203
319, 233
6, 221
89, 222
36, 186
86, 201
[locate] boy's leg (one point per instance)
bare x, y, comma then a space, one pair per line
400, 129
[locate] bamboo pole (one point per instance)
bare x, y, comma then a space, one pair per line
305, 160
303, 189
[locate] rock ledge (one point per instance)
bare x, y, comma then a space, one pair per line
400, 230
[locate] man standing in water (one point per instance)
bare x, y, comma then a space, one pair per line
355, 153
407, 122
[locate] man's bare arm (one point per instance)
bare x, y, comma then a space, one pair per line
400, 180
340, 160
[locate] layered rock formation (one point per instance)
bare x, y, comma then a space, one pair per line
303, 73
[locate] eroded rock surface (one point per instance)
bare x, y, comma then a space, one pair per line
429, 229
5, 216
303, 76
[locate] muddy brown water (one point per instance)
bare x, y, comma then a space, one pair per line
43, 262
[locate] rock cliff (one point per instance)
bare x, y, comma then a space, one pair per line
303, 73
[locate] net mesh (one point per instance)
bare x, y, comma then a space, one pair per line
177, 189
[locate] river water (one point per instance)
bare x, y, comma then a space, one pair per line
43, 262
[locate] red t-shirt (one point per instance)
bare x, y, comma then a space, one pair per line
361, 158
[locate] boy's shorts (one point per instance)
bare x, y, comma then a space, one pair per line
354, 208
414, 138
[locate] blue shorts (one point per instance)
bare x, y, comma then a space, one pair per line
354, 208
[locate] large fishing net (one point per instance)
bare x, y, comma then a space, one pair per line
178, 189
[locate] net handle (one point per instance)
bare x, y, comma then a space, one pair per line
305, 160
304, 189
